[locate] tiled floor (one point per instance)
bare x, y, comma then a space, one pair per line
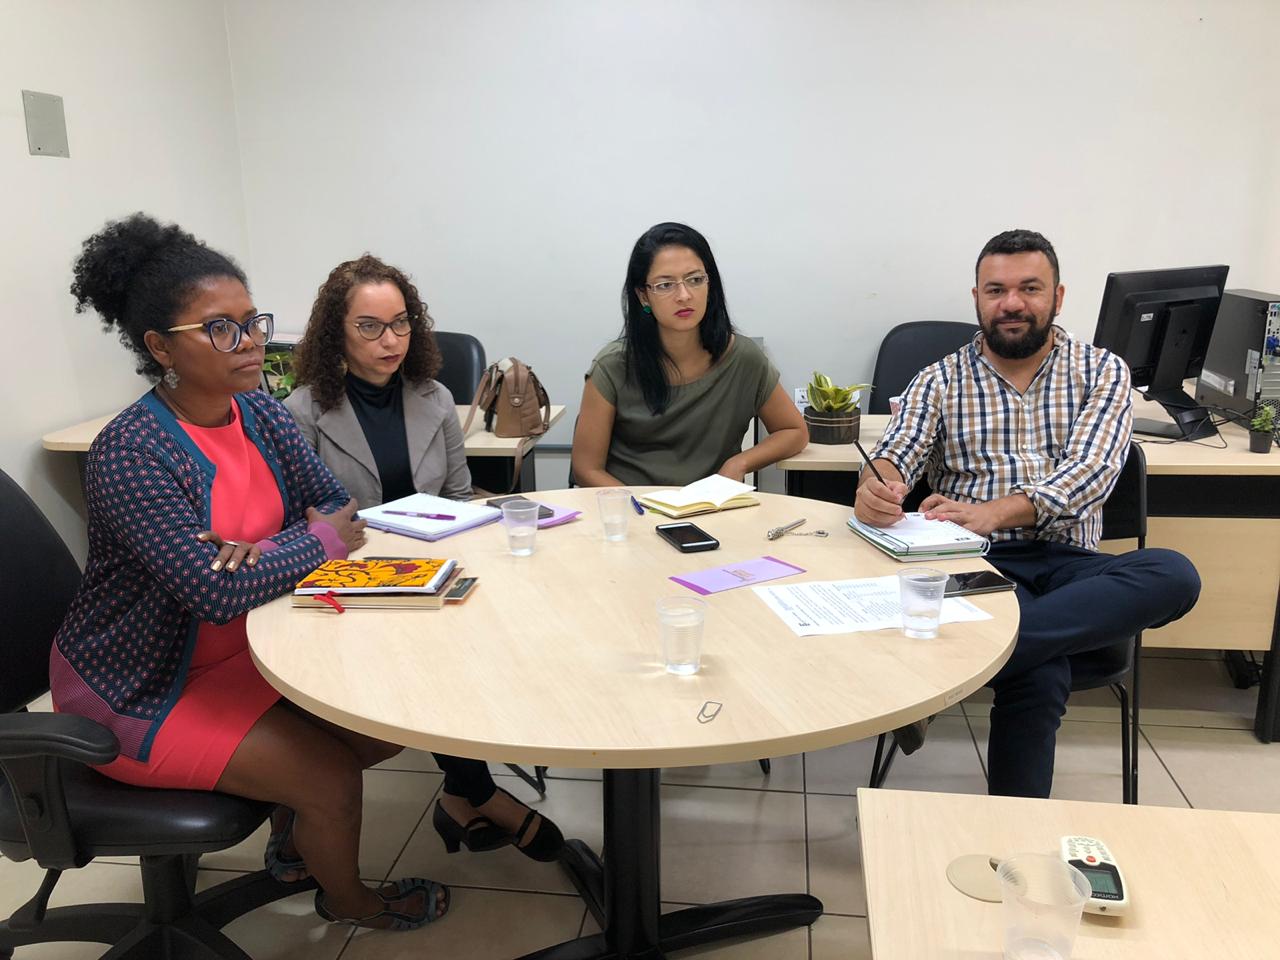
728, 831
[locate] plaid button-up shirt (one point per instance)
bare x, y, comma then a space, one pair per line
1061, 443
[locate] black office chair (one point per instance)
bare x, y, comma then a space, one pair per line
462, 364
1124, 517
56, 810
907, 349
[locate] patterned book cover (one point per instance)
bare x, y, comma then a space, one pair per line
376, 575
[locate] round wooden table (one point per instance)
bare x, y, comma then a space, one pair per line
555, 660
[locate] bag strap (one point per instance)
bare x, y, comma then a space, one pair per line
485, 380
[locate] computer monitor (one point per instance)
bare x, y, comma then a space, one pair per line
1160, 322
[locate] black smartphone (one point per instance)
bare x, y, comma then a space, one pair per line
543, 512
686, 537
980, 581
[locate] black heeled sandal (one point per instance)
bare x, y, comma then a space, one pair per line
478, 835
546, 844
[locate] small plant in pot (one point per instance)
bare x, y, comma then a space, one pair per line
277, 367
1261, 430
832, 414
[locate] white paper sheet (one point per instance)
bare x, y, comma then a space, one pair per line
850, 606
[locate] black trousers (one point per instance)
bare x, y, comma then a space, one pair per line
467, 778
1071, 600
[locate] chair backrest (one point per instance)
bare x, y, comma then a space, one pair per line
38, 578
907, 349
1124, 515
462, 365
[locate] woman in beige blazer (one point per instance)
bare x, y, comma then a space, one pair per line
367, 402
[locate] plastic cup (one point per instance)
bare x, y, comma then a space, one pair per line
921, 590
682, 619
615, 508
521, 521
1043, 898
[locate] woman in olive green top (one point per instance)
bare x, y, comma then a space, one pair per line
669, 402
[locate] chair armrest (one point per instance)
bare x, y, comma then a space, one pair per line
33, 747
63, 735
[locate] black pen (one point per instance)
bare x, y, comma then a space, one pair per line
867, 460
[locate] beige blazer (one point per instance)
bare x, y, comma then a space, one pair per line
436, 450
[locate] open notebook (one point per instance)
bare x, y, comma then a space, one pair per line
915, 538
702, 496
412, 516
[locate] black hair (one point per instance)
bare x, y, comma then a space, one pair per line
1018, 241
138, 274
644, 353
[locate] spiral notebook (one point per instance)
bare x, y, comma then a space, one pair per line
914, 538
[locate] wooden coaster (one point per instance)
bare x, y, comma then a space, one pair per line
974, 875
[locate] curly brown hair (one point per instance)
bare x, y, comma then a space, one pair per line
319, 357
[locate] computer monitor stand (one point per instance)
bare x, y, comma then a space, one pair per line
1190, 421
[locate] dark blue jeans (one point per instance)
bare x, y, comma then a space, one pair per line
1071, 600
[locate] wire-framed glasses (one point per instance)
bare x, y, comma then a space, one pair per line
693, 282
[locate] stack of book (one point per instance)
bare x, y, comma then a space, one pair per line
707, 495
914, 538
415, 583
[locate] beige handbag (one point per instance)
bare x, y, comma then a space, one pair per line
515, 404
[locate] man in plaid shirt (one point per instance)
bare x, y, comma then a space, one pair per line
1022, 434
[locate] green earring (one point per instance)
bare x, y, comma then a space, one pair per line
646, 308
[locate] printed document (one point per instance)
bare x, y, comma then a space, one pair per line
850, 606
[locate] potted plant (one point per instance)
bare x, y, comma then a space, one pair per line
1261, 430
832, 414
278, 373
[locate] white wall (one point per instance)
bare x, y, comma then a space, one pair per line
151, 126
847, 159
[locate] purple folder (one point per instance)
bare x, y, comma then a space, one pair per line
732, 575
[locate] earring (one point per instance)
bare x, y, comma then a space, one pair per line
646, 308
171, 378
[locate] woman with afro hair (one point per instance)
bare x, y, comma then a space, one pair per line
204, 501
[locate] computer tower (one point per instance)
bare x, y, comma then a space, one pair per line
1242, 367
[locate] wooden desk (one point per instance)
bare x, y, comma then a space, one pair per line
565, 647
1202, 883
1218, 506
480, 446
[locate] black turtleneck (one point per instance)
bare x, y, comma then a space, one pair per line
380, 411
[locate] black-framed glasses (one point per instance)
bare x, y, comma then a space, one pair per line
225, 334
374, 329
693, 283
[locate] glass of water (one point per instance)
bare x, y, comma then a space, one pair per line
521, 521
681, 619
1043, 898
615, 507
921, 589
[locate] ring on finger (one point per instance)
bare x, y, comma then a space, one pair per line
232, 543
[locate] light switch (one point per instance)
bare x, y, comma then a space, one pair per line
46, 124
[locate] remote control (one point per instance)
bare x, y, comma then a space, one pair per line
1092, 858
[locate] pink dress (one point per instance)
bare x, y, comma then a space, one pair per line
224, 694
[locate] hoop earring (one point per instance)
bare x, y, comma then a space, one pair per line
171, 378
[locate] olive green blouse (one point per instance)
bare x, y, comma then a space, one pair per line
703, 425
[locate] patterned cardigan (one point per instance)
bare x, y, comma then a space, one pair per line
122, 652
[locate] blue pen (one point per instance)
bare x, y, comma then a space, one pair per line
636, 503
